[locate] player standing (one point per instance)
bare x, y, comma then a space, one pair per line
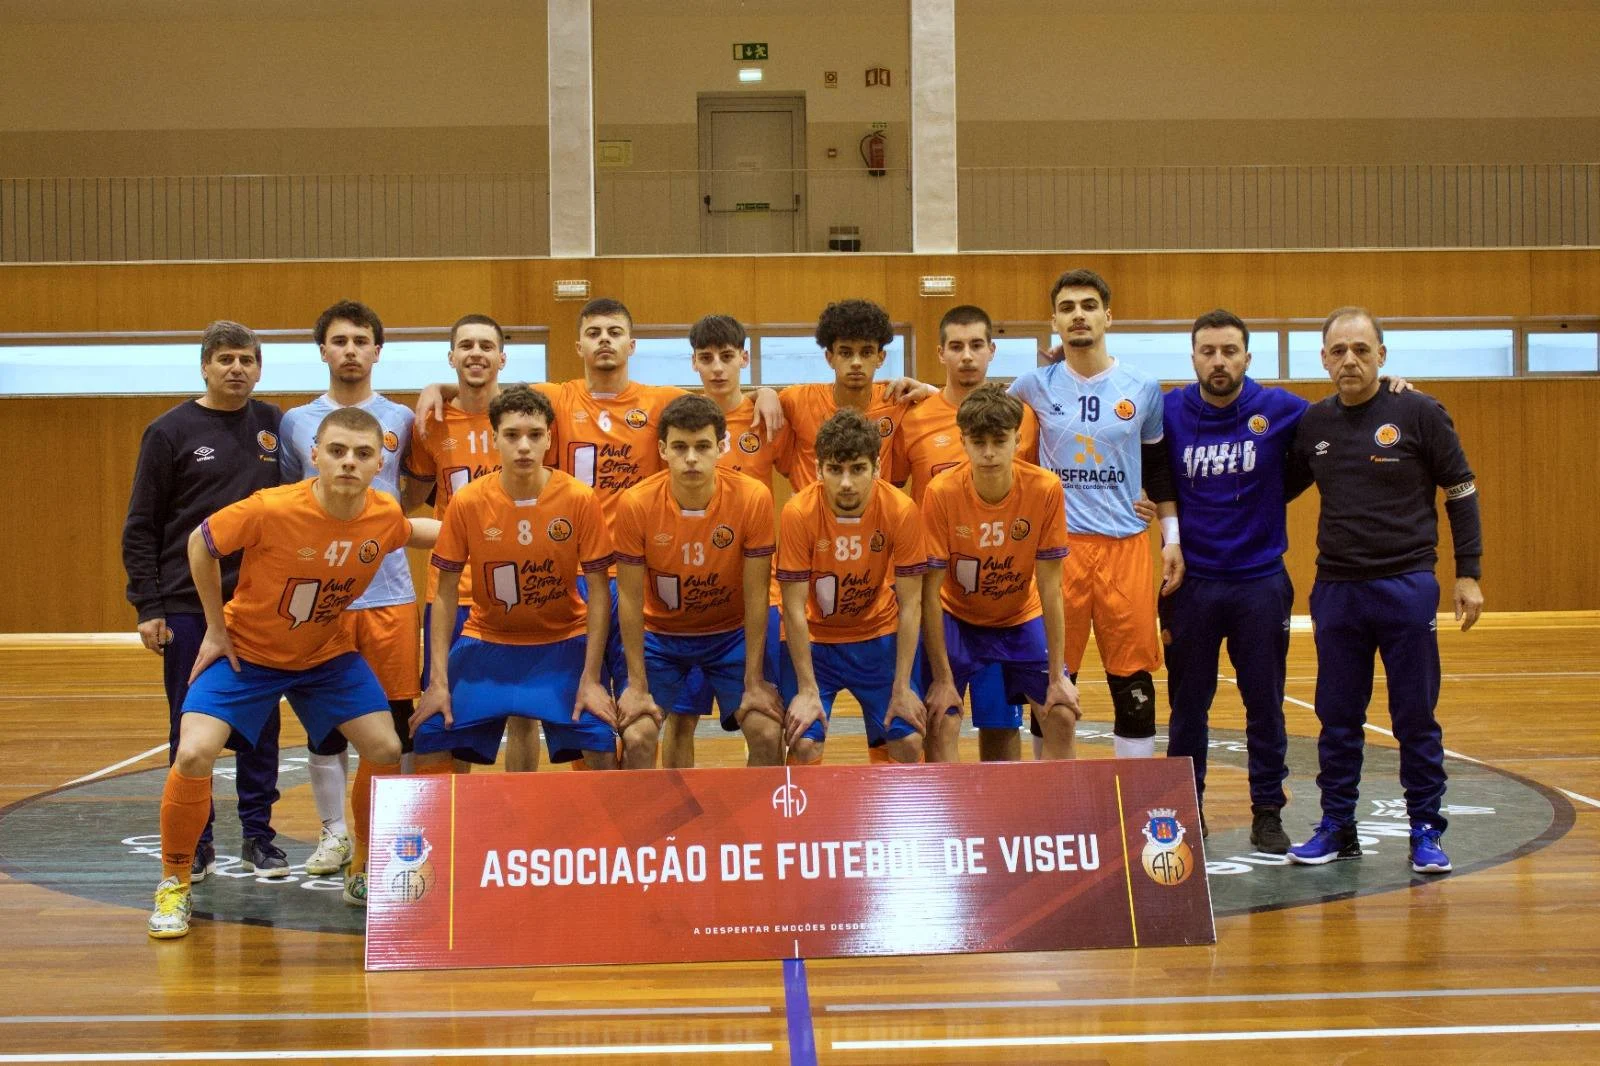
1378, 459
196, 459
531, 648
282, 636
383, 621
850, 562
1100, 432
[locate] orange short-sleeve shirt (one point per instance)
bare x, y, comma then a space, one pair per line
527, 557
607, 442
301, 568
850, 563
991, 548
454, 453
928, 442
806, 407
694, 560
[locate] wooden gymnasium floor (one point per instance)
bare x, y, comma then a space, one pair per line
1497, 963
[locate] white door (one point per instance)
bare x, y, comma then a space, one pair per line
752, 176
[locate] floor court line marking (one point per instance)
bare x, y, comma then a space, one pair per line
305, 1054
116, 766
1580, 798
797, 1011
382, 1016
1175, 1001
1213, 1038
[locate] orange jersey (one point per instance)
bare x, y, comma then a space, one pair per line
749, 452
990, 548
529, 556
302, 567
455, 452
850, 563
928, 442
607, 442
694, 560
806, 407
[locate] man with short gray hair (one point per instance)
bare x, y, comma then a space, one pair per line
195, 460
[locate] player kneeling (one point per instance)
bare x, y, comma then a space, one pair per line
851, 560
310, 549
531, 648
996, 533
694, 562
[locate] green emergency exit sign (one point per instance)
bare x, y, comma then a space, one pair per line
744, 53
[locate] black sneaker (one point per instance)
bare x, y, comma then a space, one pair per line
1205, 830
205, 862
263, 858
1266, 831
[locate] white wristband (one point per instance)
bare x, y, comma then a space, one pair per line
1169, 530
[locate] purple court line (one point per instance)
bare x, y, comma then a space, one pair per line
797, 1005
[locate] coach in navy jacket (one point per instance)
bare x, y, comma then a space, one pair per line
1229, 439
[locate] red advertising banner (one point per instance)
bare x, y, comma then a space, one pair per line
783, 862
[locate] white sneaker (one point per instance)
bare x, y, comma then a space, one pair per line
333, 851
170, 919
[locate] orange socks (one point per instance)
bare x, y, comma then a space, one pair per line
361, 809
880, 754
795, 760
185, 806
433, 768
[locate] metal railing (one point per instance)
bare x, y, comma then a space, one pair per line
1374, 206
665, 212
256, 216
843, 209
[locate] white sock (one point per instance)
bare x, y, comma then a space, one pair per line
328, 787
1038, 749
1128, 748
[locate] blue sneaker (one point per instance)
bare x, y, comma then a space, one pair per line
204, 864
1328, 842
1427, 857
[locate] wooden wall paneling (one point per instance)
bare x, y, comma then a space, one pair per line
1421, 284
1563, 281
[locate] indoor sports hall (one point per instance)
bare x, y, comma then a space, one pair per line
165, 166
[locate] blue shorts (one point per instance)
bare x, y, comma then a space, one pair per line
865, 669
491, 682
614, 668
705, 670
323, 697
1004, 666
427, 637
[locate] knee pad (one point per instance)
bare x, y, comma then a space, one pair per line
1133, 701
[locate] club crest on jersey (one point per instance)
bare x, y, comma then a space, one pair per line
636, 418
663, 538
722, 536
368, 551
391, 441
268, 440
1258, 424
1020, 529
878, 541
493, 533
1387, 436
749, 442
559, 529
1125, 409
1166, 859
885, 426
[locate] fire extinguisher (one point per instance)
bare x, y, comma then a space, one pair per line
873, 146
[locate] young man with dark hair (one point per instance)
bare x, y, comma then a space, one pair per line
694, 561
853, 335
718, 351
383, 621
196, 459
850, 563
283, 636
531, 648
1100, 432
1379, 459
992, 524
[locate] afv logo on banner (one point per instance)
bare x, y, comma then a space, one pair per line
759, 863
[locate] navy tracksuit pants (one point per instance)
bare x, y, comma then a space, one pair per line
1396, 617
1252, 617
256, 768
